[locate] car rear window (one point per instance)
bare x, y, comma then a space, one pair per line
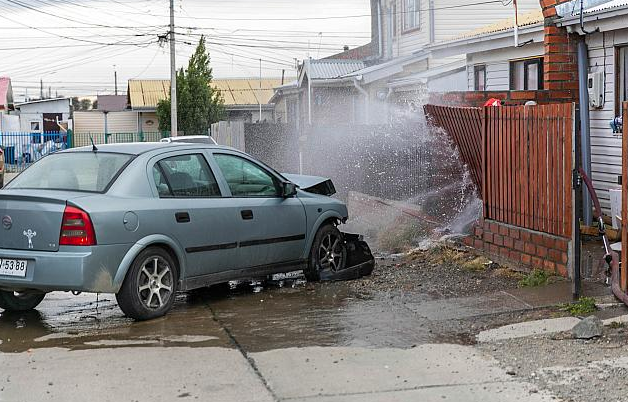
72, 171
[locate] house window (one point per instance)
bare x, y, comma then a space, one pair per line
526, 74
479, 78
411, 14
622, 73
35, 126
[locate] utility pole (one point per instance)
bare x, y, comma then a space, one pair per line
115, 79
41, 88
173, 77
260, 90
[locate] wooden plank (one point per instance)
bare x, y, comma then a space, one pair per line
508, 167
485, 171
624, 200
552, 161
569, 132
542, 158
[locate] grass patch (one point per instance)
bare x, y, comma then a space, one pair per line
476, 264
616, 325
584, 306
537, 277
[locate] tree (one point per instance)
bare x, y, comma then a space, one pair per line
85, 104
95, 104
198, 104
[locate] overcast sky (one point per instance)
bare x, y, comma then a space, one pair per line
73, 45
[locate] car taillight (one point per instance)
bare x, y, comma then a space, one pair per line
76, 228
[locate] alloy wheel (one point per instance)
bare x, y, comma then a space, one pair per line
155, 283
330, 252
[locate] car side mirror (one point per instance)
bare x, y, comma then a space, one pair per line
289, 189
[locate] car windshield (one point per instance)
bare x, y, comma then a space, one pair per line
72, 171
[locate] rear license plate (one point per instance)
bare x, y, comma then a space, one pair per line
13, 267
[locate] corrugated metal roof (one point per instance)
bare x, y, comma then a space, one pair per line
326, 69
606, 6
238, 92
146, 94
507, 24
572, 8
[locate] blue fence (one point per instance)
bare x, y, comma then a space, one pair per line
22, 149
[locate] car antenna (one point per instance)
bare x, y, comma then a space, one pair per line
94, 149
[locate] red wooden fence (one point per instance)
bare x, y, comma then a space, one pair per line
464, 126
525, 155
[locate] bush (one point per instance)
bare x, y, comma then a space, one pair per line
537, 277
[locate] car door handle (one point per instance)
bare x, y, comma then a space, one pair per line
247, 214
182, 217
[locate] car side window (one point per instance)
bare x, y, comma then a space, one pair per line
185, 176
245, 178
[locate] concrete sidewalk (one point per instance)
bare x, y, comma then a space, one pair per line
426, 373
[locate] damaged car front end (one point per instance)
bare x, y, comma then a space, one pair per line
359, 259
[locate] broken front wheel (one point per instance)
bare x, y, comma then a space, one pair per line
328, 254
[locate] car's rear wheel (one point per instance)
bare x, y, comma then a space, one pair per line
17, 301
150, 285
328, 253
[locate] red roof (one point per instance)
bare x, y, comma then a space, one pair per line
5, 96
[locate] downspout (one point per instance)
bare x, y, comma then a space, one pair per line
366, 97
380, 39
432, 22
585, 126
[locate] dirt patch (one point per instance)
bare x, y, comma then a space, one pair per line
575, 370
440, 272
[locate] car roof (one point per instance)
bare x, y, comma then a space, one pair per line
137, 148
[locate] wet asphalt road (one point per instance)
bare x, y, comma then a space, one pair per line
296, 342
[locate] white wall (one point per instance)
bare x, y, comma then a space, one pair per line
498, 65
605, 146
452, 19
34, 112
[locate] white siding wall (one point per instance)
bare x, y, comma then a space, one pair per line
497, 65
605, 146
451, 22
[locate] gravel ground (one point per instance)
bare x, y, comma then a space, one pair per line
575, 370
443, 272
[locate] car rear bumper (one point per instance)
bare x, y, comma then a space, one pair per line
84, 269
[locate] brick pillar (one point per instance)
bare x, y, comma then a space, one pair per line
561, 57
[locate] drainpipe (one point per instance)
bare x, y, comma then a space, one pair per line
309, 100
366, 97
432, 22
585, 126
380, 39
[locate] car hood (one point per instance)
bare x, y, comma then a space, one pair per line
312, 184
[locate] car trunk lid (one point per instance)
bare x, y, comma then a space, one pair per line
31, 219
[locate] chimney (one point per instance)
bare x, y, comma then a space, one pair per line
345, 48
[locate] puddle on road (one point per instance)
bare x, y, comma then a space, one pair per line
280, 314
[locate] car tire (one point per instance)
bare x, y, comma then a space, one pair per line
328, 253
10, 301
149, 289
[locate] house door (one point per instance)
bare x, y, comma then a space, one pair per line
50, 122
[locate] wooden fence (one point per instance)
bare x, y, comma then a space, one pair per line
464, 125
526, 161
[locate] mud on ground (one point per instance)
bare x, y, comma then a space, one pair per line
443, 271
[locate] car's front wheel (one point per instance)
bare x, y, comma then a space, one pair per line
328, 253
150, 285
17, 301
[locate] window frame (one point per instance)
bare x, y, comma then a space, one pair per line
157, 164
538, 61
476, 69
621, 76
405, 13
277, 180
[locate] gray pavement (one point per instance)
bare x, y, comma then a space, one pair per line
425, 373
